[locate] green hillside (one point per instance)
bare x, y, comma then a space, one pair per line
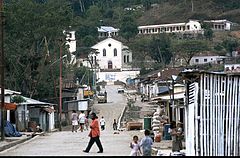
179, 11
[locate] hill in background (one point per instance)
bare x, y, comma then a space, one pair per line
173, 11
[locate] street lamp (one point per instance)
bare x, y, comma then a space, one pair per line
173, 77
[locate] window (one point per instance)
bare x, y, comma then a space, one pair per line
205, 60
124, 58
91, 59
127, 58
196, 60
104, 52
115, 52
95, 60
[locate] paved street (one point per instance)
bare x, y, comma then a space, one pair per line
66, 143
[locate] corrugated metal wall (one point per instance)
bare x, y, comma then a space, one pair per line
214, 103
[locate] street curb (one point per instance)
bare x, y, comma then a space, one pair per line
16, 143
120, 118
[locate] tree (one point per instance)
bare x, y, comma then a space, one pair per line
160, 49
208, 32
28, 24
230, 45
128, 28
140, 48
188, 48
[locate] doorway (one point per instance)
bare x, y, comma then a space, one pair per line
110, 64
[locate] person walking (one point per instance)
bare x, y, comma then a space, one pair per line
135, 146
102, 123
146, 143
74, 121
94, 134
114, 124
82, 119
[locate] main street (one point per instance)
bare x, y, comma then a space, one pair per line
66, 143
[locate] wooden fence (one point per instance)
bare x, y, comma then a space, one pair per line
212, 114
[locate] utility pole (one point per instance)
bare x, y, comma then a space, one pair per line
60, 88
2, 71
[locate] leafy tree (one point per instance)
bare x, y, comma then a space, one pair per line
160, 49
32, 31
146, 4
140, 48
208, 32
17, 99
128, 28
188, 48
85, 75
230, 44
89, 41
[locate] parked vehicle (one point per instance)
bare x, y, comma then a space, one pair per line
120, 90
102, 97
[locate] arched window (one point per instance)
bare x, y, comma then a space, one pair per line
124, 58
109, 64
91, 59
115, 52
104, 52
95, 60
128, 59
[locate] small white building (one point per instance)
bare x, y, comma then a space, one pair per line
219, 25
107, 31
207, 57
33, 110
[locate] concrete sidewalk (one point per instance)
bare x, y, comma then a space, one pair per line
13, 141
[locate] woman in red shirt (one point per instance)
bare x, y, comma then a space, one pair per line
94, 134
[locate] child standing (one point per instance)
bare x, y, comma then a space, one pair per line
74, 121
146, 143
81, 120
102, 123
114, 124
135, 146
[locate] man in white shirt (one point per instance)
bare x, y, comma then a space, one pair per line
102, 123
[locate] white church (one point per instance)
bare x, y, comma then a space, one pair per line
111, 60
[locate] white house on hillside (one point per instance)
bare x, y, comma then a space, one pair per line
107, 31
192, 26
207, 57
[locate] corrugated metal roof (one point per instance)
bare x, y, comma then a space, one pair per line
30, 101
9, 92
107, 29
